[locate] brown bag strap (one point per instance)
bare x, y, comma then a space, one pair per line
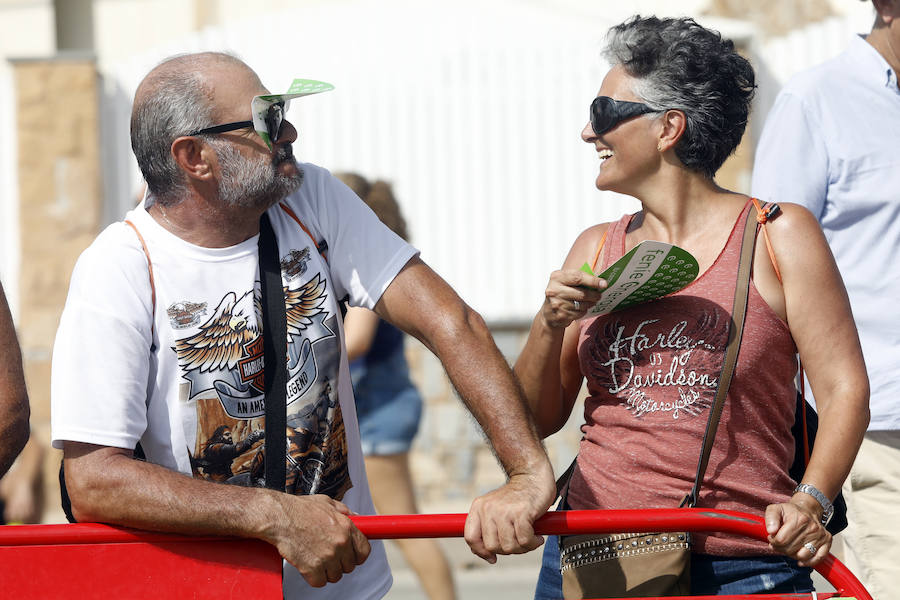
738, 313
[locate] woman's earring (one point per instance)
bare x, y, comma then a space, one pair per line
659, 148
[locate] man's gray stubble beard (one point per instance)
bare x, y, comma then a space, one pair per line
248, 183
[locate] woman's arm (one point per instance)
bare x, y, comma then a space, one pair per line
360, 325
548, 366
818, 313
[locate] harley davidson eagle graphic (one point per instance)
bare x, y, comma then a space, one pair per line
222, 364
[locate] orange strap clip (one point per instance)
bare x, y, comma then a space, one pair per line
762, 217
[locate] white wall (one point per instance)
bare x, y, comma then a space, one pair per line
27, 28
473, 109
123, 28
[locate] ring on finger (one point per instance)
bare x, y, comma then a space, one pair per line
810, 547
577, 304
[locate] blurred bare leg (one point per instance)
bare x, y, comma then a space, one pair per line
391, 484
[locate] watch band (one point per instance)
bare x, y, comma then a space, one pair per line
827, 506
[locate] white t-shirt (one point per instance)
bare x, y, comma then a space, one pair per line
830, 144
185, 379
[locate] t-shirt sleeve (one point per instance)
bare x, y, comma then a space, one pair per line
363, 253
101, 356
791, 163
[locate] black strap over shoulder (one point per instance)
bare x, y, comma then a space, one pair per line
274, 328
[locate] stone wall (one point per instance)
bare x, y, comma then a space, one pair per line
57, 125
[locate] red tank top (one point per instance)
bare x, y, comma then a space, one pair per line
651, 373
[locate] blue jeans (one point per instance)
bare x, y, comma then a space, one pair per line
710, 575
549, 583
719, 575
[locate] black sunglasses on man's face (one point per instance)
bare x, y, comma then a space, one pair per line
606, 112
274, 124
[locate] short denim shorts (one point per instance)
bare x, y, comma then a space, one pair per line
388, 406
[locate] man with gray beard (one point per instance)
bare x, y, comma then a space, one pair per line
160, 343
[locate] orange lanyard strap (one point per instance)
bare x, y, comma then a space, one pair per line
150, 271
599, 248
762, 217
294, 216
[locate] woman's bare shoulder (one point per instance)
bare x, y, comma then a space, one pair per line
798, 240
793, 218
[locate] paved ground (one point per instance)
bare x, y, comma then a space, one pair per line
513, 577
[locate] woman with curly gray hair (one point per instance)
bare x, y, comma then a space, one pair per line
669, 112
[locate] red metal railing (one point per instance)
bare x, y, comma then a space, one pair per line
609, 521
89, 560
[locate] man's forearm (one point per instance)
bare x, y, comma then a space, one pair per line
313, 533
108, 486
490, 391
420, 303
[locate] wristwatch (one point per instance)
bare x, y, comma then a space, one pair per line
827, 506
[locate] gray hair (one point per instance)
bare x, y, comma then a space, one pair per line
173, 100
680, 65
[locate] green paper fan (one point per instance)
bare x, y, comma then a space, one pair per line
648, 271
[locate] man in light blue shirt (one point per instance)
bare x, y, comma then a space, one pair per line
832, 144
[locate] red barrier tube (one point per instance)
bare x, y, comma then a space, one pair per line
443, 525
609, 521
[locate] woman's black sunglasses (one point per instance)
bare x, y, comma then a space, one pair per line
274, 124
606, 113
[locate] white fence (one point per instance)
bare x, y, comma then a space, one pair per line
474, 115
472, 110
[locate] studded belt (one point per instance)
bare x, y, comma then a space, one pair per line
585, 550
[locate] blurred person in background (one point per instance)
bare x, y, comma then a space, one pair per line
672, 108
389, 407
830, 144
14, 408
